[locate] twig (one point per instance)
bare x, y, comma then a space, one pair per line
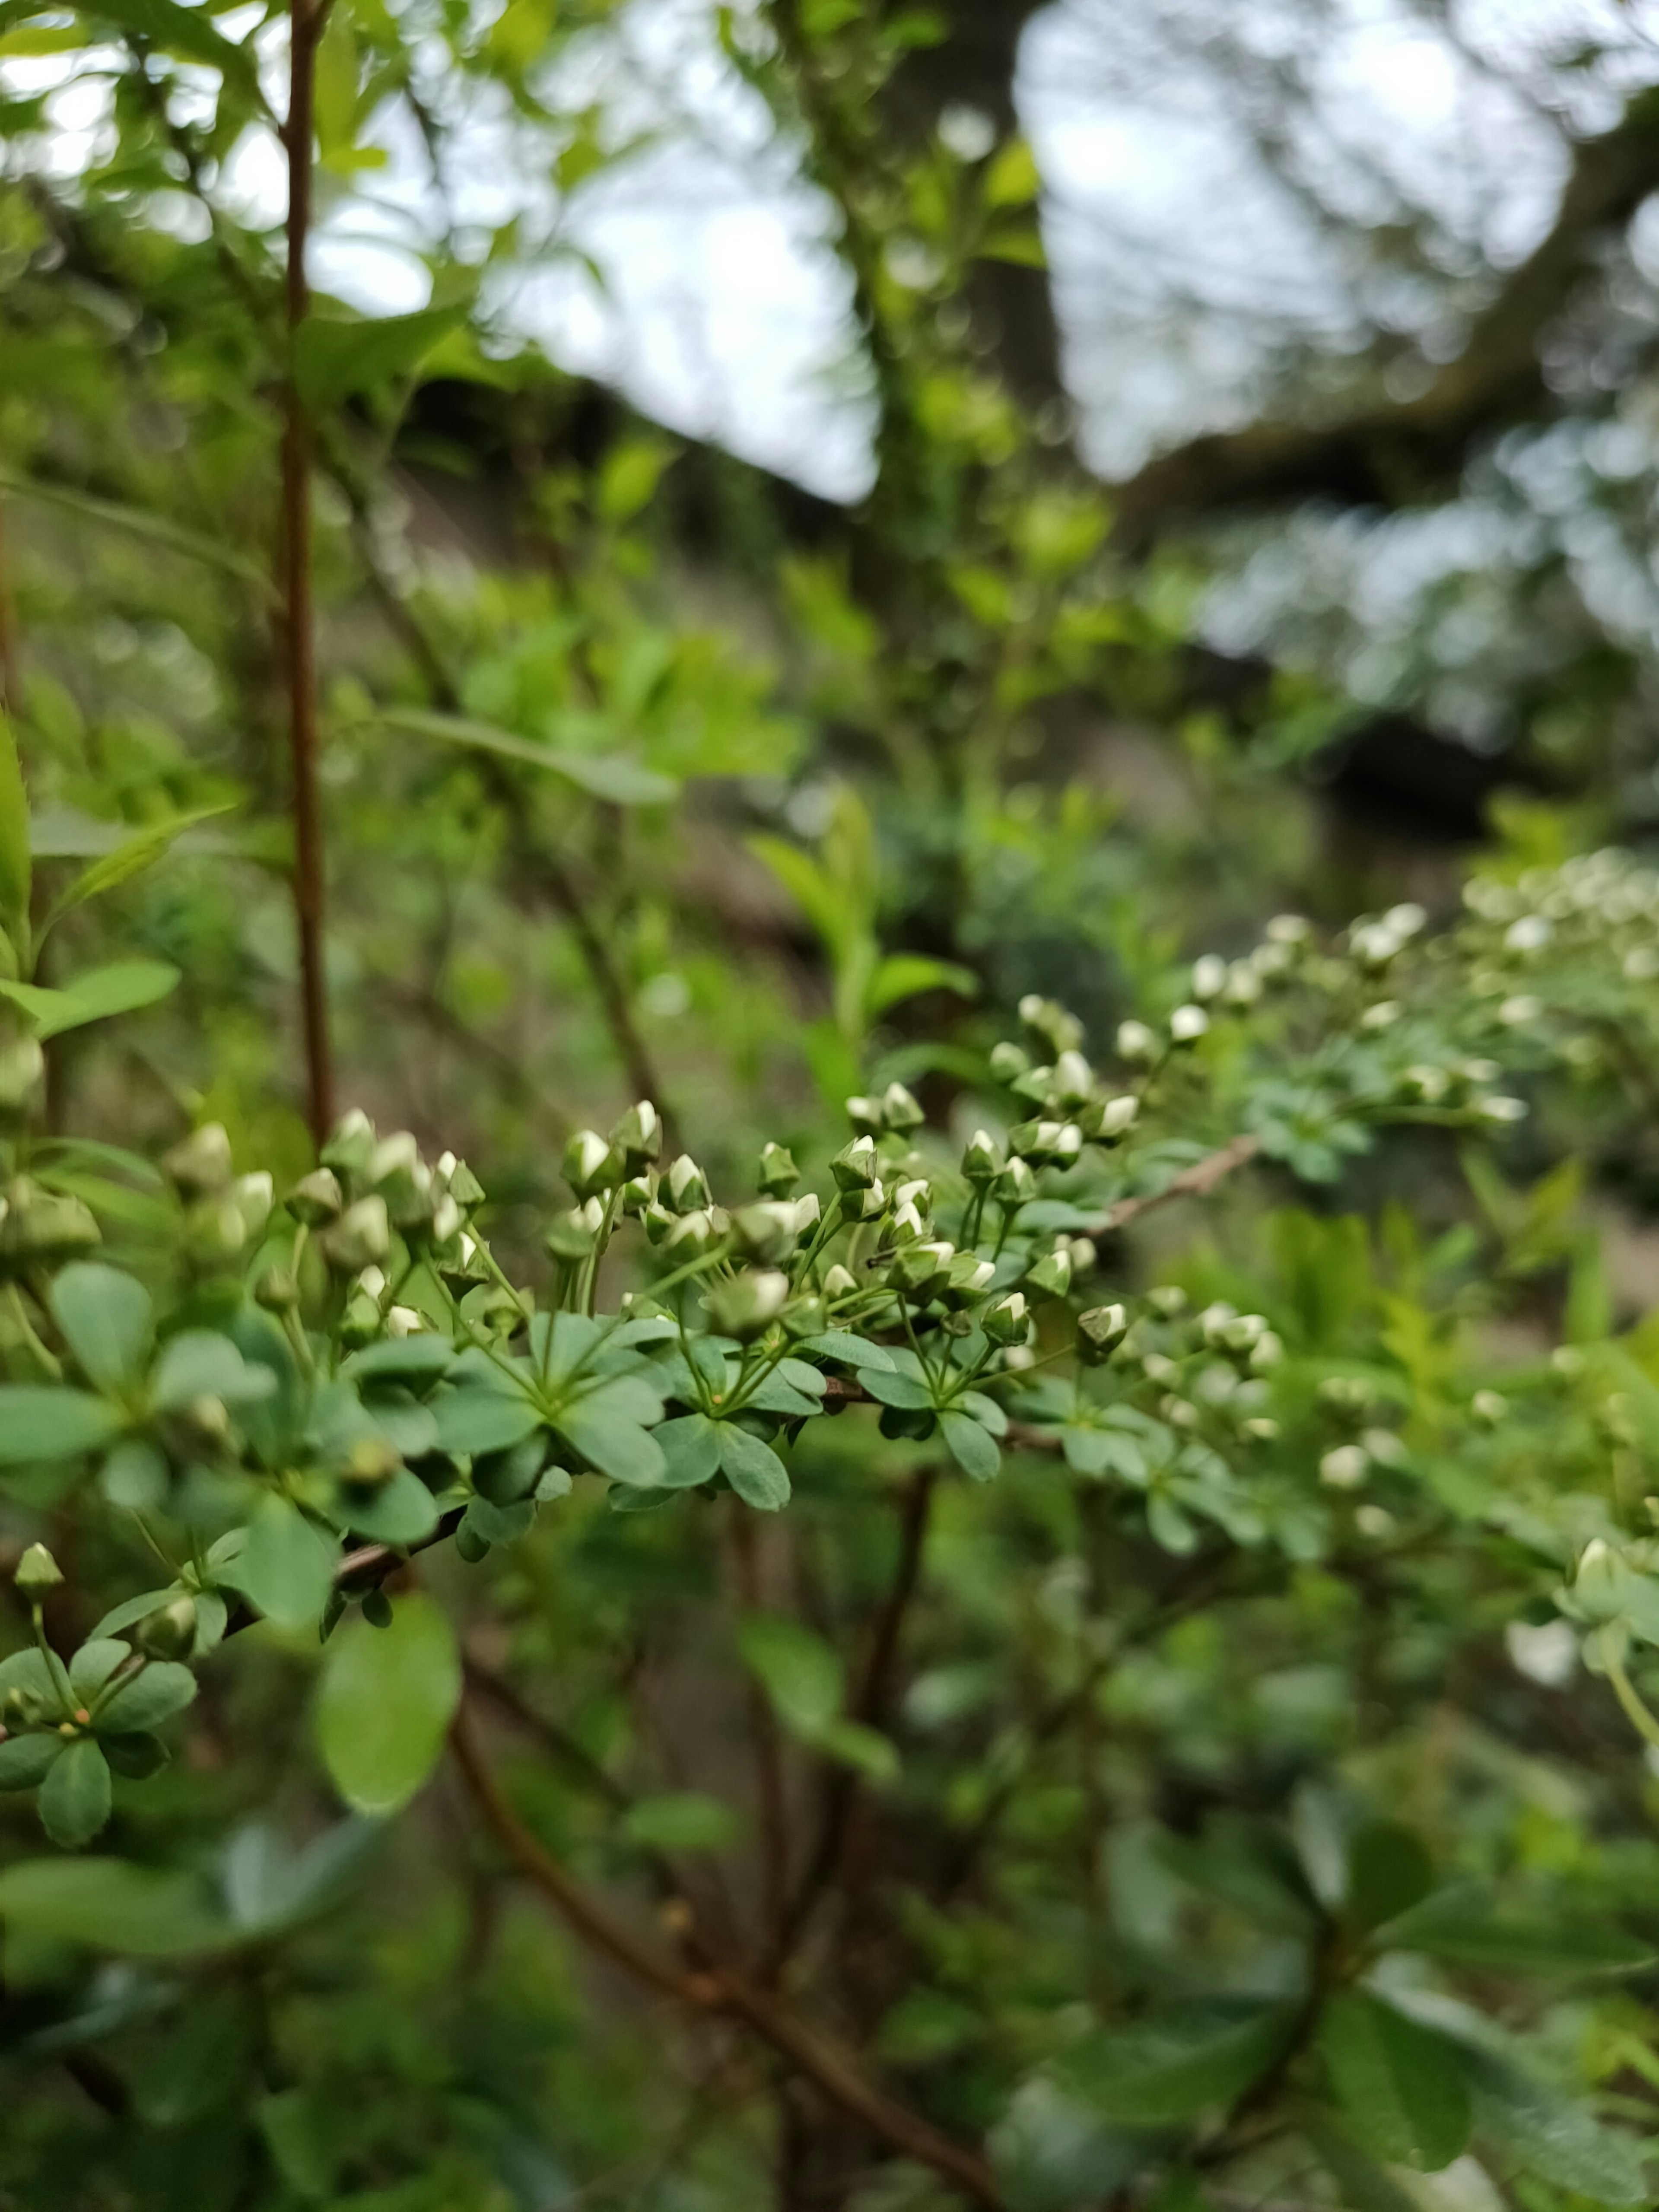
1195, 1181
307, 18
869, 1700
718, 1988
768, 1764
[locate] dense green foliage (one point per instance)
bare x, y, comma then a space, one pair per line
1083, 1640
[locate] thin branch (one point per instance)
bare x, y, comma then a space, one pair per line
720, 1989
1195, 1181
869, 1700
298, 611
768, 1762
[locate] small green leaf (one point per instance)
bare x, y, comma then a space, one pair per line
1389, 1871
1012, 180
286, 1568
335, 356
798, 1670
691, 1450
1550, 2136
26, 1761
847, 1350
1153, 2076
473, 1420
613, 776
108, 1905
1402, 2084
93, 1665
39, 1422
903, 974
1458, 1925
129, 859
137, 1756
974, 1451
612, 1444
74, 1797
753, 1469
385, 1704
107, 1320
911, 1394
401, 1511
1366, 2186
15, 877
866, 1749
680, 1822
163, 1688
120, 988
135, 1476
198, 1362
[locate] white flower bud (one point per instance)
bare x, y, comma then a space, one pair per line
1500, 1108
1288, 929
1345, 1468
1209, 976
1642, 965
1489, 1408
1530, 934
1118, 1115
1382, 1015
1136, 1041
1073, 1079
1187, 1024
1514, 1013
1243, 984
1406, 920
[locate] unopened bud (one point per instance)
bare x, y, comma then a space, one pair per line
1009, 1061
864, 1114
1099, 1332
747, 1307
981, 1159
1051, 1276
575, 1235
590, 1165
277, 1289
638, 1136
688, 1187
1135, 1041
1187, 1024
317, 1199
778, 1173
169, 1632
37, 1572
348, 1149
900, 1110
854, 1167
22, 1070
766, 1230
199, 1165
1008, 1320
1209, 976
360, 1238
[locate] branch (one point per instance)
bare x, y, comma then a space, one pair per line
1388, 453
1195, 1181
712, 1988
869, 1702
298, 613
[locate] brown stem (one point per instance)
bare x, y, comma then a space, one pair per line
1195, 1181
718, 1988
769, 1758
298, 613
870, 1700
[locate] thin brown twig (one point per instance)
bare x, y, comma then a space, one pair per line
768, 1761
298, 611
716, 1988
1195, 1181
869, 1700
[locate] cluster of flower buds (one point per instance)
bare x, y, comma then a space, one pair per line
225, 1214
1214, 1364
22, 1074
41, 1228
370, 1189
1601, 907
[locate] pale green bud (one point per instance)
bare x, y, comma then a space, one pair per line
199, 1165
37, 1572
688, 1187
747, 1306
778, 1173
899, 1110
590, 1164
638, 1136
317, 1199
360, 1238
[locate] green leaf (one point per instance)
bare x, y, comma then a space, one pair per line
1551, 2138
131, 1610
848, 1350
27, 1670
1153, 2076
39, 1422
130, 858
134, 1476
159, 528
474, 1420
1012, 180
198, 1362
911, 1394
137, 1756
286, 1568
74, 1797
865, 1749
798, 1670
614, 777
1458, 1925
26, 1761
1364, 2185
1402, 2084
903, 974
1095, 1452
162, 1689
681, 1821
629, 478
107, 1320
691, 1450
384, 1703
753, 1469
93, 1665
335, 356
612, 1444
1389, 1871
15, 875
401, 1511
974, 1451
109, 1905
119, 988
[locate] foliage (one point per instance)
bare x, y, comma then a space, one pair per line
1039, 1630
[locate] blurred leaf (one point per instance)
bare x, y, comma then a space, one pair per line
38, 1422
1459, 1926
129, 859
74, 1797
160, 1689
384, 1703
753, 1469
1162, 2073
335, 356
108, 1905
629, 478
1550, 2136
1402, 2084
1390, 1870
615, 777
903, 974
286, 1568
120, 988
1011, 180
107, 1320
798, 1670
974, 1451
684, 1821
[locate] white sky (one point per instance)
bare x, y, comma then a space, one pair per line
1181, 261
